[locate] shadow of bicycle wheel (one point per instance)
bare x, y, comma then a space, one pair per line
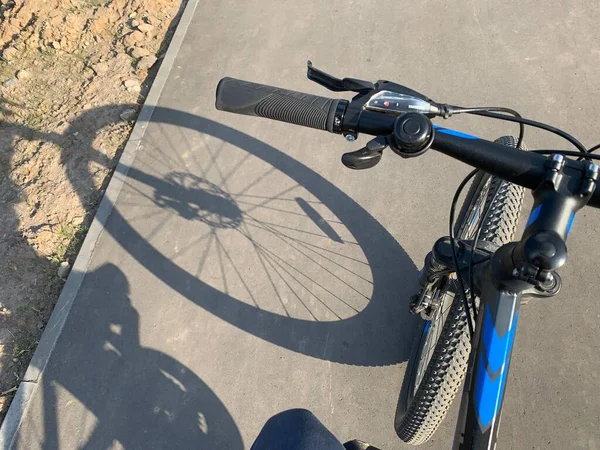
379, 330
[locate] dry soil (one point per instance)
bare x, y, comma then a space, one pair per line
73, 75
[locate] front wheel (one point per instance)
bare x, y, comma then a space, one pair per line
438, 363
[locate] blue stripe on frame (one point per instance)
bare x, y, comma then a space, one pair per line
534, 215
439, 129
488, 393
571, 220
426, 327
489, 389
496, 347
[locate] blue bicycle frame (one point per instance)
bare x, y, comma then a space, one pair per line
479, 421
513, 269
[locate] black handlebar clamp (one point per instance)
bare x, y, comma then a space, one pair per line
542, 249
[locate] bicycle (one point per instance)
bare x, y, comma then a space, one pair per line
473, 280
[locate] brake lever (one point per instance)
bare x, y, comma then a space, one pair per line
324, 79
335, 84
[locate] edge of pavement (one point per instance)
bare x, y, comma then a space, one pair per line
18, 408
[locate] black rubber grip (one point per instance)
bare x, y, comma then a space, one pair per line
253, 99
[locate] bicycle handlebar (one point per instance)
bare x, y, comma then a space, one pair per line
525, 169
253, 99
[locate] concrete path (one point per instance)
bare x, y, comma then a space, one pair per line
244, 271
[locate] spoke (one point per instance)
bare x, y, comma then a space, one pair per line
204, 255
469, 227
149, 145
172, 163
192, 152
451, 294
146, 215
271, 198
260, 257
311, 259
223, 183
300, 243
450, 301
430, 347
140, 192
161, 130
135, 205
325, 249
190, 245
256, 181
244, 231
220, 257
239, 164
439, 330
239, 275
262, 222
272, 264
157, 228
273, 255
159, 161
300, 273
270, 208
213, 160
436, 325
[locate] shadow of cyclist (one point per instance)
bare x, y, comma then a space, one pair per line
153, 401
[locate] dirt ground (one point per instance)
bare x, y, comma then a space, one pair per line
73, 75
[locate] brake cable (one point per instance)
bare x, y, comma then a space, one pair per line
449, 110
488, 112
535, 124
594, 148
483, 220
566, 153
455, 256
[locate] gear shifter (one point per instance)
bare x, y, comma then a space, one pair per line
367, 157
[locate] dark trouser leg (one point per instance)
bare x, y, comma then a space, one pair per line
295, 429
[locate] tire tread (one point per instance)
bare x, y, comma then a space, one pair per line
447, 367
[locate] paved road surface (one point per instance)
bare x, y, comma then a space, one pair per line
244, 271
